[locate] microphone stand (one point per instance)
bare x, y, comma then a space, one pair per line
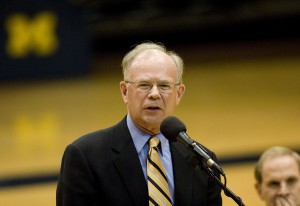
226, 190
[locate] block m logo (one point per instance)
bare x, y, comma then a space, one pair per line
31, 35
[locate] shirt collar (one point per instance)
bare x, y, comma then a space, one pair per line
140, 138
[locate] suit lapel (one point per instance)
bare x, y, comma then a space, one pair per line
129, 167
130, 170
183, 174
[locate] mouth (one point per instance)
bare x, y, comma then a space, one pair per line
153, 108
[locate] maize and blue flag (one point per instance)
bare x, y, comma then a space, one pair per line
42, 38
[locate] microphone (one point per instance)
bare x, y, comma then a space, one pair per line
173, 129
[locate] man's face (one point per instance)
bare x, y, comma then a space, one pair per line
147, 109
280, 182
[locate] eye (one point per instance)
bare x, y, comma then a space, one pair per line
165, 86
273, 184
144, 86
291, 181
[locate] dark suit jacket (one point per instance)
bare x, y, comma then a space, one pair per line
103, 168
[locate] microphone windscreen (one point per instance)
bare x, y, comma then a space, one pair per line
171, 127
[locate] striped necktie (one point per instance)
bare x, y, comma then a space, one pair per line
159, 193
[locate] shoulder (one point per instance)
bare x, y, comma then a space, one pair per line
103, 138
188, 153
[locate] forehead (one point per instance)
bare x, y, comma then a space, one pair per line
153, 62
278, 168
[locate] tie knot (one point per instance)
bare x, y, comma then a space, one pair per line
154, 141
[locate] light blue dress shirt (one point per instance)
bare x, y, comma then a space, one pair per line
140, 140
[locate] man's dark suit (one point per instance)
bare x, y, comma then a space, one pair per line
103, 168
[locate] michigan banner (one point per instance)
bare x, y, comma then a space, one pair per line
42, 38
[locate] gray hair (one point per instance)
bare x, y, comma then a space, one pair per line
130, 56
273, 152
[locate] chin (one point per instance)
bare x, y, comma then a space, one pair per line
154, 120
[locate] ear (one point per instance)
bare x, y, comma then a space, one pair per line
258, 190
123, 89
180, 92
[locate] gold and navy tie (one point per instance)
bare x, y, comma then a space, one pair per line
159, 193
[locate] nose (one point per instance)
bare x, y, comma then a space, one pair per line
283, 189
154, 92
